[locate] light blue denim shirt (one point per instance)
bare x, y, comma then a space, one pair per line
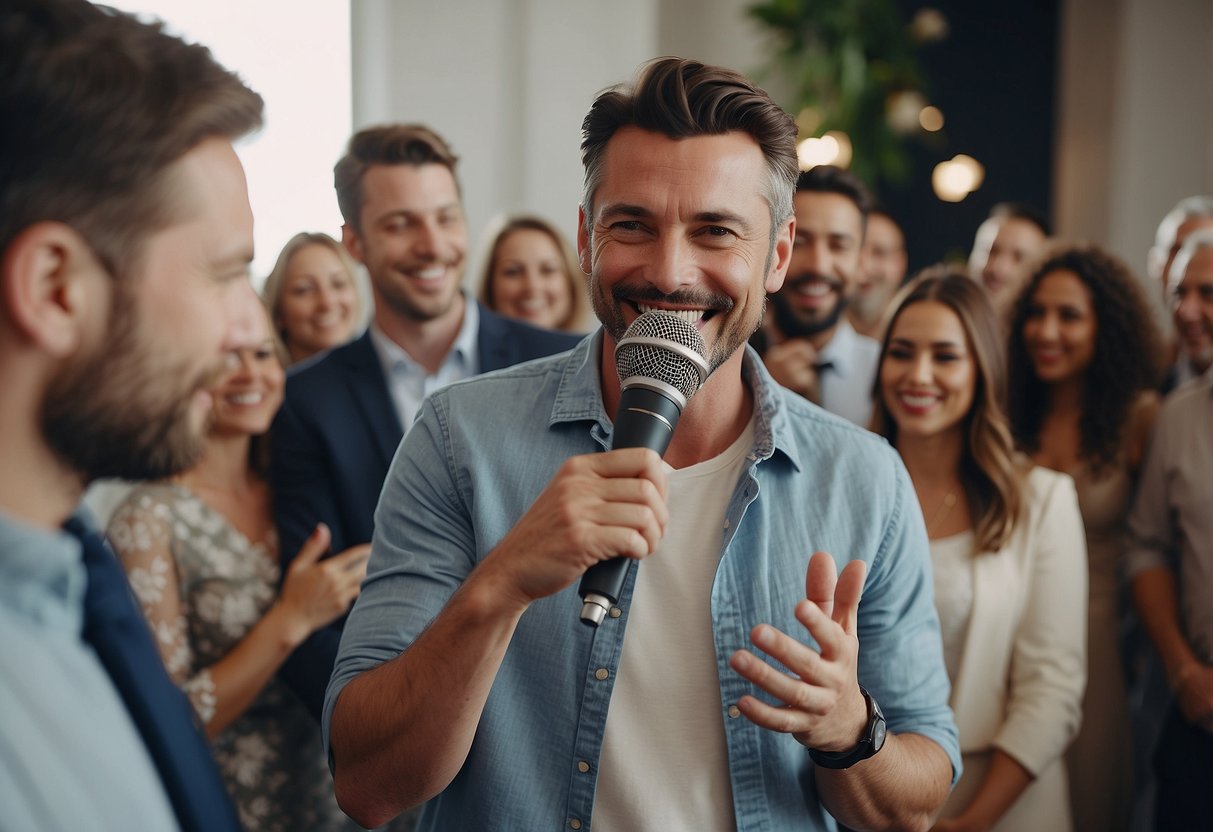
478, 456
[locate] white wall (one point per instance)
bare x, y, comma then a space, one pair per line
1135, 118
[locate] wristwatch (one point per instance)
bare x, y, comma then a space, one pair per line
871, 741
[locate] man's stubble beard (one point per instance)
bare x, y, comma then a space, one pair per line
123, 411
608, 309
792, 325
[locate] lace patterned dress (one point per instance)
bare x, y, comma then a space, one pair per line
203, 585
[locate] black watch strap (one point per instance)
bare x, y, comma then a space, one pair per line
871, 741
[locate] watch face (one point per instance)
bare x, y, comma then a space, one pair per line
878, 734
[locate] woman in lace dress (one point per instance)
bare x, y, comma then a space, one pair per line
1083, 358
1007, 549
202, 559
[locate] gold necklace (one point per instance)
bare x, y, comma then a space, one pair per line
941, 513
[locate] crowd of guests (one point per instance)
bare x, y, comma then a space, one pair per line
1020, 391
1064, 503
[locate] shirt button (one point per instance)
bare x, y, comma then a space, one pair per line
574, 823
583, 766
616, 612
734, 712
602, 674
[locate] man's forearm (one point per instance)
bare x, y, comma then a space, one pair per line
401, 732
902, 787
1156, 601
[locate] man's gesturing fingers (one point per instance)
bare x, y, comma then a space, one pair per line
836, 596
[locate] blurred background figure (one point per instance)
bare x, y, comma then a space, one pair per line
881, 273
1007, 548
1189, 214
1168, 565
1012, 236
806, 340
312, 295
202, 557
531, 274
1191, 353
1084, 361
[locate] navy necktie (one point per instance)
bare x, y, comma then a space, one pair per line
117, 631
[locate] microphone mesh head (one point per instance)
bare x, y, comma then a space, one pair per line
641, 352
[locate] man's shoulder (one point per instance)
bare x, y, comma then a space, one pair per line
335, 366
494, 327
1192, 394
822, 436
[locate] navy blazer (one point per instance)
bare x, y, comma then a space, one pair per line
332, 443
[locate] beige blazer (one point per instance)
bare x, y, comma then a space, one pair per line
1023, 669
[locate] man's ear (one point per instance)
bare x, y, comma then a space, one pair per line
583, 242
781, 256
50, 287
352, 241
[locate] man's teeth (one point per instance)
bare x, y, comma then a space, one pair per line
814, 288
246, 398
432, 273
691, 316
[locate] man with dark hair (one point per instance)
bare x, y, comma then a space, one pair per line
723, 689
1006, 242
126, 234
882, 271
807, 342
344, 415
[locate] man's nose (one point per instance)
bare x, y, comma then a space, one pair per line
427, 241
673, 265
241, 308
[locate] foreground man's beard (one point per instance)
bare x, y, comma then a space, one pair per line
124, 411
733, 336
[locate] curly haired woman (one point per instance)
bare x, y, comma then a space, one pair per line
1084, 359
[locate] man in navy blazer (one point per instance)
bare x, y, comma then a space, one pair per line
345, 413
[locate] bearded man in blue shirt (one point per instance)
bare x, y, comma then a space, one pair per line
735, 683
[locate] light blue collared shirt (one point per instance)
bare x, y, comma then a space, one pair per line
478, 456
70, 756
409, 383
846, 386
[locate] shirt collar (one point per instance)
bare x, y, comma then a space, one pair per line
579, 398
42, 574
393, 355
841, 347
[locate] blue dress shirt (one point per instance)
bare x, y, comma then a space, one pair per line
479, 455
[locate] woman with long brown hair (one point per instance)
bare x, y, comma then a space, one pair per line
1007, 550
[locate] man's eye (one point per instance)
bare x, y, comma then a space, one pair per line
626, 225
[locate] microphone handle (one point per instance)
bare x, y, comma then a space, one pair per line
646, 419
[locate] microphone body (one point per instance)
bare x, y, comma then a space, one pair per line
658, 373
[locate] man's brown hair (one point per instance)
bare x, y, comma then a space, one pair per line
389, 144
682, 98
96, 106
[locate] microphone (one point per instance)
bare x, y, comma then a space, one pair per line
660, 361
